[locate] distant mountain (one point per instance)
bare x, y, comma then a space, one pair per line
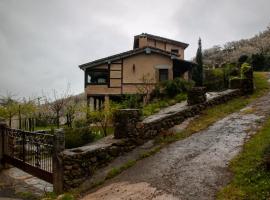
231, 51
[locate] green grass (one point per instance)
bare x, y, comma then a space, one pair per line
48, 128
251, 180
155, 106
116, 171
109, 130
27, 195
53, 196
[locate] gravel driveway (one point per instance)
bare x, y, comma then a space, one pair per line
193, 168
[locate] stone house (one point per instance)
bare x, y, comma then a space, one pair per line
153, 56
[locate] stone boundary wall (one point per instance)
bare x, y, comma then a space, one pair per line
80, 163
151, 129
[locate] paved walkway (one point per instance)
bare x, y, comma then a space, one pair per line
193, 168
14, 181
164, 112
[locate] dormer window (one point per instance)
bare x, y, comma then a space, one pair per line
175, 51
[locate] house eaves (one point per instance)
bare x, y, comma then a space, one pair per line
110, 59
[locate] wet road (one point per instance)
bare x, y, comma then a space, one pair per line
193, 168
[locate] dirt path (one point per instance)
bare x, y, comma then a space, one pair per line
193, 168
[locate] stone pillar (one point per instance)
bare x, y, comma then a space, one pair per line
196, 95
235, 83
247, 86
125, 121
59, 146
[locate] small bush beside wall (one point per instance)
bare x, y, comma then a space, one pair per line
214, 79
176, 86
76, 137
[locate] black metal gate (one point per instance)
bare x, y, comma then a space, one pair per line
30, 151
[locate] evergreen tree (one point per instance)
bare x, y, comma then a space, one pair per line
197, 72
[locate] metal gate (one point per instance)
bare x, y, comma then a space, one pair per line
30, 151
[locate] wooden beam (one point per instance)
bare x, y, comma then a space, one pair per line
122, 75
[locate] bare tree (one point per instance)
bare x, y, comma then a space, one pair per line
57, 103
146, 87
102, 118
71, 108
9, 107
231, 51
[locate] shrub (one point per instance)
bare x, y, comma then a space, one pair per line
214, 79
181, 97
76, 137
230, 69
156, 92
131, 101
246, 71
78, 123
176, 86
260, 62
266, 157
242, 59
171, 88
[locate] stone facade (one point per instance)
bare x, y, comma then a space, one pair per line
196, 95
125, 121
81, 163
235, 83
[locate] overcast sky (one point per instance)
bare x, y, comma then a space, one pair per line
43, 42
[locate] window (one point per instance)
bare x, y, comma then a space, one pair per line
175, 51
97, 77
163, 75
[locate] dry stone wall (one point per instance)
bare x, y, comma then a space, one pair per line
80, 163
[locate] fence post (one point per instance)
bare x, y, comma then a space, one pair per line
59, 146
2, 144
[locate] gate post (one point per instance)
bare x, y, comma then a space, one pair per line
2, 144
59, 146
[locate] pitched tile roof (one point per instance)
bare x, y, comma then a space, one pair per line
163, 39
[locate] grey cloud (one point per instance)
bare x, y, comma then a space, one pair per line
43, 42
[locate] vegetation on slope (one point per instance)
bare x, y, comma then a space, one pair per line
257, 49
251, 177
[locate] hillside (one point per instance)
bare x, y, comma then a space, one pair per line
231, 51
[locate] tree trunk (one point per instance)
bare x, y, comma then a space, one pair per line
57, 120
30, 124
20, 118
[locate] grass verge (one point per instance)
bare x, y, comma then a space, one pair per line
251, 178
